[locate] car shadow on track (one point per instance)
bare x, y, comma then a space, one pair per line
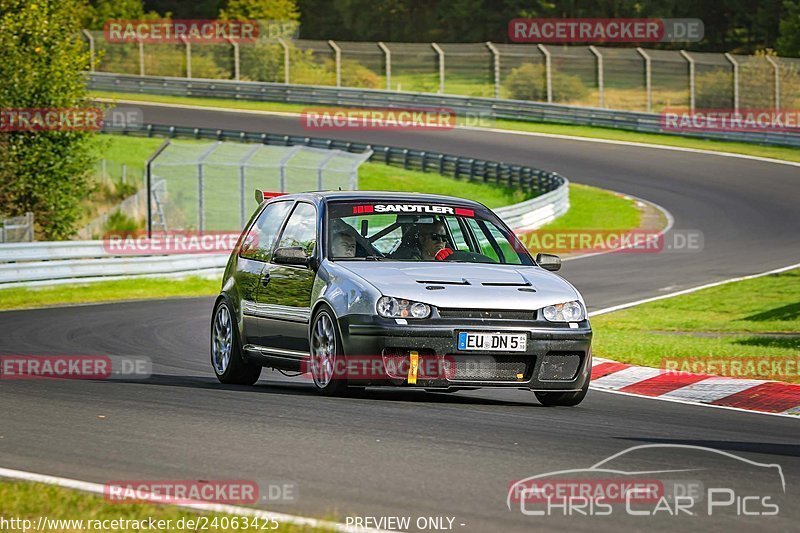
288, 387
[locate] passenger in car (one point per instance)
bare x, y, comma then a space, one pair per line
344, 244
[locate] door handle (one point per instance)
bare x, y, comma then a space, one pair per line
265, 279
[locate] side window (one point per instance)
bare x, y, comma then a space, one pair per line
455, 229
258, 244
483, 241
510, 256
301, 230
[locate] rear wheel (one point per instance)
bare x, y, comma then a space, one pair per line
562, 399
226, 354
326, 353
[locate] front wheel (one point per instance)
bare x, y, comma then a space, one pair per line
326, 353
562, 399
226, 355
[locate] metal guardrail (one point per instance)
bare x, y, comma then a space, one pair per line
41, 263
51, 251
496, 108
528, 179
92, 269
531, 214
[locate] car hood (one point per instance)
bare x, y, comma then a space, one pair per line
466, 285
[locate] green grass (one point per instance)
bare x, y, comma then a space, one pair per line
739, 320
30, 501
220, 196
106, 291
133, 152
593, 208
775, 152
590, 208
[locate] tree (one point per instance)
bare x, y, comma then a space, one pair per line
789, 41
261, 10
41, 66
98, 12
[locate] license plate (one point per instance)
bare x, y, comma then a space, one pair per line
492, 342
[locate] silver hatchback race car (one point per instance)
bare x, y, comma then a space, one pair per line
362, 289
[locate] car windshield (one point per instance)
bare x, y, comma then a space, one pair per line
413, 231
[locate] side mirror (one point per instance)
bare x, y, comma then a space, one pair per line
548, 262
291, 255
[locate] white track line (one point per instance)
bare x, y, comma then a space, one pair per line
662, 231
97, 488
691, 290
785, 414
475, 128
667, 214
712, 389
628, 376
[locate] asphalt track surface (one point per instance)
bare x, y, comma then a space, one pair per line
409, 453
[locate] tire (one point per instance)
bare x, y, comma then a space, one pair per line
226, 353
562, 399
326, 349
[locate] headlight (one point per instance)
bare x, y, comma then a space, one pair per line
568, 312
390, 307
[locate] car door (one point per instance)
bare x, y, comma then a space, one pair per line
286, 289
252, 262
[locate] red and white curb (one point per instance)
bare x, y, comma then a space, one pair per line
773, 397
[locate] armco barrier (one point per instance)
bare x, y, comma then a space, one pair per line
496, 108
78, 269
530, 180
551, 188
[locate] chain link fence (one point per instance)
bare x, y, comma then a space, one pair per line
16, 229
209, 186
633, 79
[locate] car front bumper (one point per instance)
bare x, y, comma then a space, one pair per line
557, 357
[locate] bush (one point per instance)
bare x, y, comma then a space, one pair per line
354, 74
262, 61
714, 90
757, 83
529, 82
119, 223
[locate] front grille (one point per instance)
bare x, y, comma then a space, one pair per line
487, 368
487, 314
559, 367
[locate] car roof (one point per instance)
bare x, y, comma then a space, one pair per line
391, 196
